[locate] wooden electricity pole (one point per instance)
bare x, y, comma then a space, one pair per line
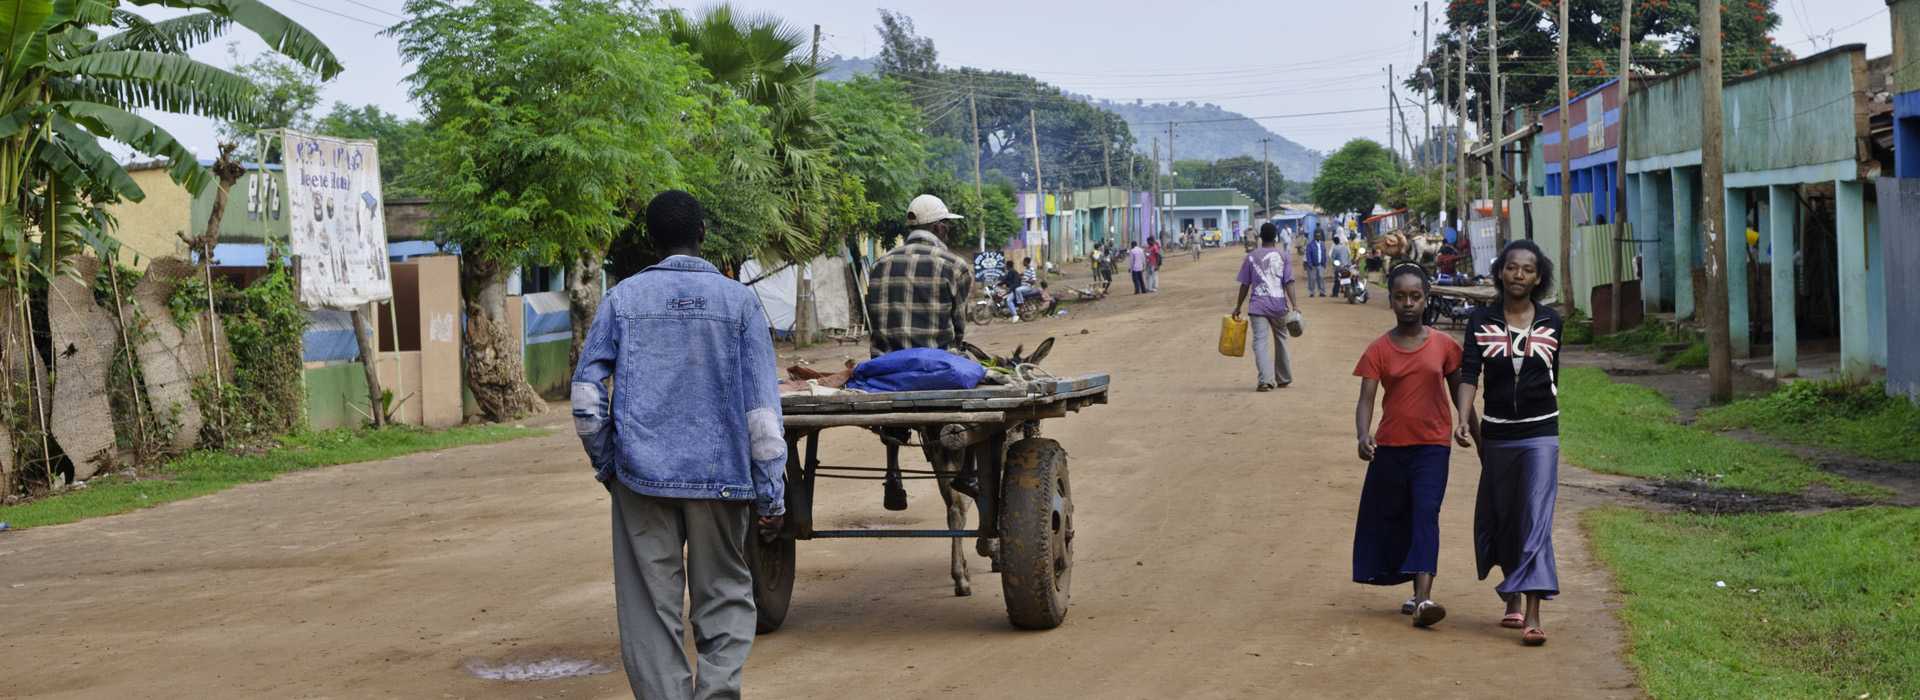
1566, 177
1498, 115
1620, 230
1039, 192
803, 280
1446, 64
1426, 100
1460, 147
1106, 161
981, 209
1713, 205
1158, 222
1266, 190
1392, 146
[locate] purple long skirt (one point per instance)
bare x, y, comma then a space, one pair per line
1513, 516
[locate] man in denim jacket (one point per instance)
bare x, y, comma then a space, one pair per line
691, 443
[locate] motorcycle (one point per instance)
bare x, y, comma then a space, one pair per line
992, 304
1346, 283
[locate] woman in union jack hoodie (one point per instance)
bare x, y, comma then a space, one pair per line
1513, 350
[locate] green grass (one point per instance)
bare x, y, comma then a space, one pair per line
1694, 357
1626, 429
1857, 419
201, 473
1823, 606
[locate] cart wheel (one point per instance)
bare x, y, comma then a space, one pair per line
772, 566
979, 315
1036, 535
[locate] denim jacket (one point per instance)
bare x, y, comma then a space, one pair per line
695, 406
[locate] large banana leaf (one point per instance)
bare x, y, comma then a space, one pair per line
176, 35
20, 22
169, 82
283, 35
144, 136
102, 170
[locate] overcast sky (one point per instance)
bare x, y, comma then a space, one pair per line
1276, 58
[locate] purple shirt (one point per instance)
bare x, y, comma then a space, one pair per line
1138, 258
1267, 271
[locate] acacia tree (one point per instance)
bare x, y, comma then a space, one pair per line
544, 119
1354, 178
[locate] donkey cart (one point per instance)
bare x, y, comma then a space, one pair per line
986, 439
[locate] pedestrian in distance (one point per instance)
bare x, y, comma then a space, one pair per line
1396, 535
1137, 264
1316, 263
1513, 349
1266, 277
1153, 264
690, 448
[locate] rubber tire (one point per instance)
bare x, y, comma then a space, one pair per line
772, 567
1029, 311
1036, 547
979, 315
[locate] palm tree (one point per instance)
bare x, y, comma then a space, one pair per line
74, 73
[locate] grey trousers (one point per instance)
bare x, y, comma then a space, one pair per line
650, 577
1270, 350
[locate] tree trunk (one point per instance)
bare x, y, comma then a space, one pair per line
496, 373
583, 301
369, 359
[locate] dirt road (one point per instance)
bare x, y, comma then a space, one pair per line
1214, 523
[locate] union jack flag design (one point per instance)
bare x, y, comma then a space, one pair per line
1497, 342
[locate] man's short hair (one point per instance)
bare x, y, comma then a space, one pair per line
675, 220
1269, 232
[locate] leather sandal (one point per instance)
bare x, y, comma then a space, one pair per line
1533, 637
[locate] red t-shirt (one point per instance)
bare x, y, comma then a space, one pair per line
1417, 409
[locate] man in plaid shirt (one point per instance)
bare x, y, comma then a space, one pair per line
917, 293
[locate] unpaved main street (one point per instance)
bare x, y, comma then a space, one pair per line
1212, 560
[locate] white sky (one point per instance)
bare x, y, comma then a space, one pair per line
1275, 57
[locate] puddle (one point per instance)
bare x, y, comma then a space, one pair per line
542, 670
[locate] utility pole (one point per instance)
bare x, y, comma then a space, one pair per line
1266, 188
1426, 100
803, 282
1446, 64
1391, 142
1039, 192
1713, 213
1497, 115
1106, 161
981, 213
1173, 176
1158, 223
1620, 183
1566, 178
1460, 144
1133, 185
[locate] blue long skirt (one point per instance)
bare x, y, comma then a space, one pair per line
1513, 517
1397, 533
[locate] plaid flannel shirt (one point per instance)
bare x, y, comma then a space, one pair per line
917, 296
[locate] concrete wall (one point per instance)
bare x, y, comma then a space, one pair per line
149, 228
1807, 113
1906, 45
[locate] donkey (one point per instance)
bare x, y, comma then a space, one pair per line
947, 463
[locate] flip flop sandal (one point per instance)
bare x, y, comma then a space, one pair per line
1428, 614
1514, 621
1533, 637
1408, 607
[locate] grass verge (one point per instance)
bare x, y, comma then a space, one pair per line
201, 473
1823, 606
1627, 429
1857, 419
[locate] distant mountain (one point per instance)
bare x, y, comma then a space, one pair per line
1219, 137
1214, 139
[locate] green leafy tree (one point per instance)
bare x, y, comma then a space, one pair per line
1665, 36
399, 138
1354, 178
544, 119
288, 94
76, 73
878, 139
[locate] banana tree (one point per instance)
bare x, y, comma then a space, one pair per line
75, 74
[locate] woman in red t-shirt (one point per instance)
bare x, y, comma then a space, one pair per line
1397, 535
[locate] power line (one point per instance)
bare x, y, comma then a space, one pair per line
376, 9
339, 14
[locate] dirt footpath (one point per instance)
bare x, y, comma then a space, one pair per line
1212, 560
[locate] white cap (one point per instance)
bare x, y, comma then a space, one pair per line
927, 209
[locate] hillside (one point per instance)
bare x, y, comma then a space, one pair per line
1214, 139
